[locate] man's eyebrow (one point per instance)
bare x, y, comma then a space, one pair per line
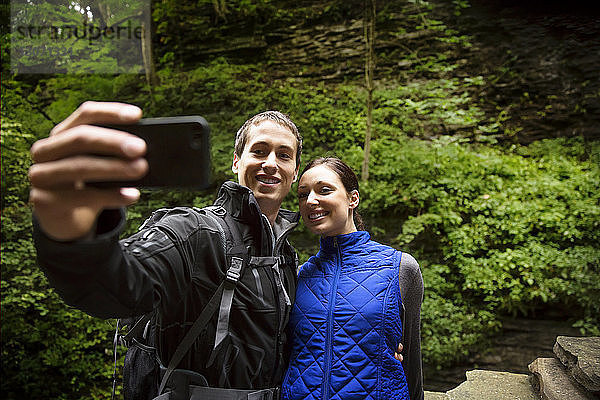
264, 143
285, 147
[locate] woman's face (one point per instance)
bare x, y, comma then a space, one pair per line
325, 205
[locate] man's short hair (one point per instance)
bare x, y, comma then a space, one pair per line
275, 116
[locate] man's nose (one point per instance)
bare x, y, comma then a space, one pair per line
270, 162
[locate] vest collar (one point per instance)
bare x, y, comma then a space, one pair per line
347, 240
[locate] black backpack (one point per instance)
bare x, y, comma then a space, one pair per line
145, 377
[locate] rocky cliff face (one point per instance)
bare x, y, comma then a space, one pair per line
544, 58
539, 60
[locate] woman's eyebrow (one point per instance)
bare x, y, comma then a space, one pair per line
325, 183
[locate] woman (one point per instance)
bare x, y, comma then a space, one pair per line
348, 320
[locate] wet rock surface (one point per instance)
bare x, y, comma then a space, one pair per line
581, 358
483, 385
539, 60
545, 56
572, 374
518, 343
553, 382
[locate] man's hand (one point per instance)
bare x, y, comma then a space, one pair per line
398, 353
76, 152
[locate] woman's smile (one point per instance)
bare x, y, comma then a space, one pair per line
314, 216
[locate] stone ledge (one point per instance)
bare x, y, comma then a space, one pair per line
435, 396
493, 385
581, 358
554, 383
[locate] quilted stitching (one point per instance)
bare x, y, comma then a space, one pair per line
365, 324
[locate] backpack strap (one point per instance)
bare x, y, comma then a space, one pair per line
237, 256
233, 274
191, 336
222, 298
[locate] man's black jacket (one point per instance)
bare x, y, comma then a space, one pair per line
174, 265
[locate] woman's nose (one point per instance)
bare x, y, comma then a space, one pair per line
312, 199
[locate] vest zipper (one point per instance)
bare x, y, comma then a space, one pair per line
328, 345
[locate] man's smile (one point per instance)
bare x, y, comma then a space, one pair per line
268, 180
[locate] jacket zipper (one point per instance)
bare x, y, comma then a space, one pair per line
277, 252
277, 244
276, 293
328, 345
282, 237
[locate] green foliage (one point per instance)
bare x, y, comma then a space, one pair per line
62, 36
497, 229
451, 330
421, 107
517, 231
42, 340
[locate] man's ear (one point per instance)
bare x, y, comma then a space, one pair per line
354, 199
234, 165
296, 173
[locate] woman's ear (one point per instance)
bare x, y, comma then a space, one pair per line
354, 199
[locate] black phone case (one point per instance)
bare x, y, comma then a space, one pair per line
178, 153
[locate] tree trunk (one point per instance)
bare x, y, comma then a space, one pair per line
369, 29
147, 55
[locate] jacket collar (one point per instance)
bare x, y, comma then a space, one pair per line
347, 240
240, 202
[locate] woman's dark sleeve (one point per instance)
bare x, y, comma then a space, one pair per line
108, 278
411, 287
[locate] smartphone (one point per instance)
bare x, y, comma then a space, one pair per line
177, 151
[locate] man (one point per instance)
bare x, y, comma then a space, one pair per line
174, 264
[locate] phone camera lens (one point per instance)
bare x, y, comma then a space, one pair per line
196, 142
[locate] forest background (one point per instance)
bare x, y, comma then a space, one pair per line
484, 156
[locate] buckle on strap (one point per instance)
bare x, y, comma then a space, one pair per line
233, 273
267, 261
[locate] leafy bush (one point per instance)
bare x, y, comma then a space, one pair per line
497, 229
48, 349
504, 231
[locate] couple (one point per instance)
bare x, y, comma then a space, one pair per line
343, 316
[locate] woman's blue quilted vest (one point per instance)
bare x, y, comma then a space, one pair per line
345, 324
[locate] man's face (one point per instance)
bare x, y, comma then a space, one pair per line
268, 164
